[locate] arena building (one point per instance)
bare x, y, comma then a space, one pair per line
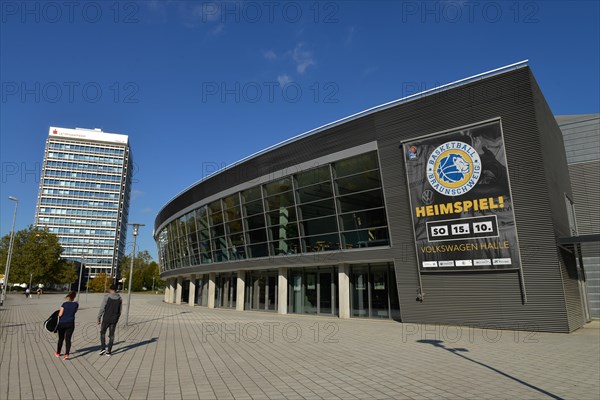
451, 206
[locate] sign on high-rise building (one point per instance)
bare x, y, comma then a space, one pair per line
84, 195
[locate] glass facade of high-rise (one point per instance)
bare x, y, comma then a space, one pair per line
84, 195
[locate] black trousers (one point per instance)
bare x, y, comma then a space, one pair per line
111, 335
65, 333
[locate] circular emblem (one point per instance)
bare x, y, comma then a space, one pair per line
427, 197
453, 168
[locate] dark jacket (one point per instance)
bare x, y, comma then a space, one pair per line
110, 308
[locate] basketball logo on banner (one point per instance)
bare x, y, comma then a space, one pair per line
453, 168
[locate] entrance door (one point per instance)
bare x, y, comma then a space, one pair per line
325, 292
311, 304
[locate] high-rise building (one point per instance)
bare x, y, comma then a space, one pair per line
84, 195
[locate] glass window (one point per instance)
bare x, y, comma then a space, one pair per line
235, 226
251, 194
315, 192
316, 175
254, 207
355, 165
321, 243
203, 234
361, 201
217, 231
215, 214
366, 238
282, 216
287, 231
363, 219
257, 236
280, 186
256, 221
258, 250
285, 247
280, 200
232, 213
318, 226
317, 209
220, 252
358, 183
231, 201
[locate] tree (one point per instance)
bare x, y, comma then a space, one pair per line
144, 269
36, 257
98, 283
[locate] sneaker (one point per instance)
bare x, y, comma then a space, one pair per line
107, 354
66, 357
102, 352
57, 354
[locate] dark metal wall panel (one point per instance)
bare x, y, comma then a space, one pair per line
559, 185
483, 299
585, 181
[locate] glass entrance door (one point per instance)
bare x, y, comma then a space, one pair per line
313, 291
261, 290
325, 292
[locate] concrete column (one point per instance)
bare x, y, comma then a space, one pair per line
240, 295
172, 290
282, 291
179, 290
212, 277
192, 297
344, 290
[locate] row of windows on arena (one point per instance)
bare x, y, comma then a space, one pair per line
338, 206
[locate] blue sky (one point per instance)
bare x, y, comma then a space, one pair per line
199, 85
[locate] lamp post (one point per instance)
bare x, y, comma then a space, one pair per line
10, 249
80, 277
135, 233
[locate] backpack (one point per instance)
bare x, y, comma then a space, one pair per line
51, 324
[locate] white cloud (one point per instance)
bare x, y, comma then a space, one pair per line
270, 55
370, 70
217, 30
283, 79
350, 36
303, 58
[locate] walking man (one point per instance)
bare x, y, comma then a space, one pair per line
110, 311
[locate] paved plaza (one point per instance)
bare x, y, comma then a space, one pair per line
173, 351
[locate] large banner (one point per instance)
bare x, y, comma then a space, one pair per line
460, 199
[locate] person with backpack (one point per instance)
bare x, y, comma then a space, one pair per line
66, 324
110, 311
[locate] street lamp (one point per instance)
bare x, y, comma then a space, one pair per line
80, 277
87, 281
10, 249
135, 233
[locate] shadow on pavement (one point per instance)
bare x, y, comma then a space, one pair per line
457, 351
134, 345
91, 349
155, 319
